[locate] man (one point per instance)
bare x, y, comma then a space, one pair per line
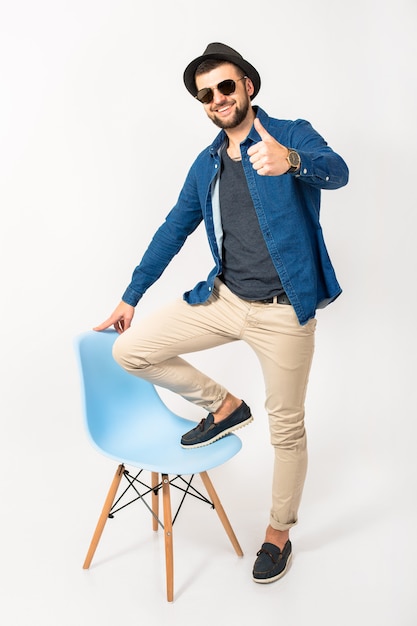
257, 189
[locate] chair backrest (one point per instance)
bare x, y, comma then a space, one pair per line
127, 420
110, 393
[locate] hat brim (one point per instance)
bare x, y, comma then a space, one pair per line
247, 68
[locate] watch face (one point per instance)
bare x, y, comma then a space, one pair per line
293, 158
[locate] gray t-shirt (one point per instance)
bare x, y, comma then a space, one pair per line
248, 270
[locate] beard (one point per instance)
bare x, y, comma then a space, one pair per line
239, 115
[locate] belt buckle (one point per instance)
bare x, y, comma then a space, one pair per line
281, 298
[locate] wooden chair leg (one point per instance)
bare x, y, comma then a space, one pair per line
220, 512
104, 515
169, 557
155, 501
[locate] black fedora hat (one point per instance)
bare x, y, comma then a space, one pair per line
223, 53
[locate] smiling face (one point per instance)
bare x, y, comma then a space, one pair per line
227, 111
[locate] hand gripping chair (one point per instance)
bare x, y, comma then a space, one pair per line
127, 421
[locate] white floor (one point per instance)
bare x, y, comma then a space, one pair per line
354, 547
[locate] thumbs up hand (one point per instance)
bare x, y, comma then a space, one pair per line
268, 156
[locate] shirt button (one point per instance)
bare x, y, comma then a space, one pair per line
305, 170
327, 177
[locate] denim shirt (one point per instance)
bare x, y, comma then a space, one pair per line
288, 210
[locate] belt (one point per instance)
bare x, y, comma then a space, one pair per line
282, 298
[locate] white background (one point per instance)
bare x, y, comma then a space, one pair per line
97, 133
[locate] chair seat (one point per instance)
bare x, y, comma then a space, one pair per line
157, 448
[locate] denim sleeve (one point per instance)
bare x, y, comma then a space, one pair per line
321, 167
168, 240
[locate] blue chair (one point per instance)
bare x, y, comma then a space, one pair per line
127, 421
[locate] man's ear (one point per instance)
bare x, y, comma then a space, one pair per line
249, 86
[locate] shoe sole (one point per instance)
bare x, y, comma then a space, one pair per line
219, 436
274, 578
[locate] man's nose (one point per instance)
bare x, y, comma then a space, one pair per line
218, 97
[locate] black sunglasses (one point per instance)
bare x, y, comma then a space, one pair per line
226, 87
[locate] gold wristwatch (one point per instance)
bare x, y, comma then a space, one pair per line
294, 161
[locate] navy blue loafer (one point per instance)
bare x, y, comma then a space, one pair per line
272, 563
207, 431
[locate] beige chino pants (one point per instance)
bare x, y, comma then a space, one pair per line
151, 349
